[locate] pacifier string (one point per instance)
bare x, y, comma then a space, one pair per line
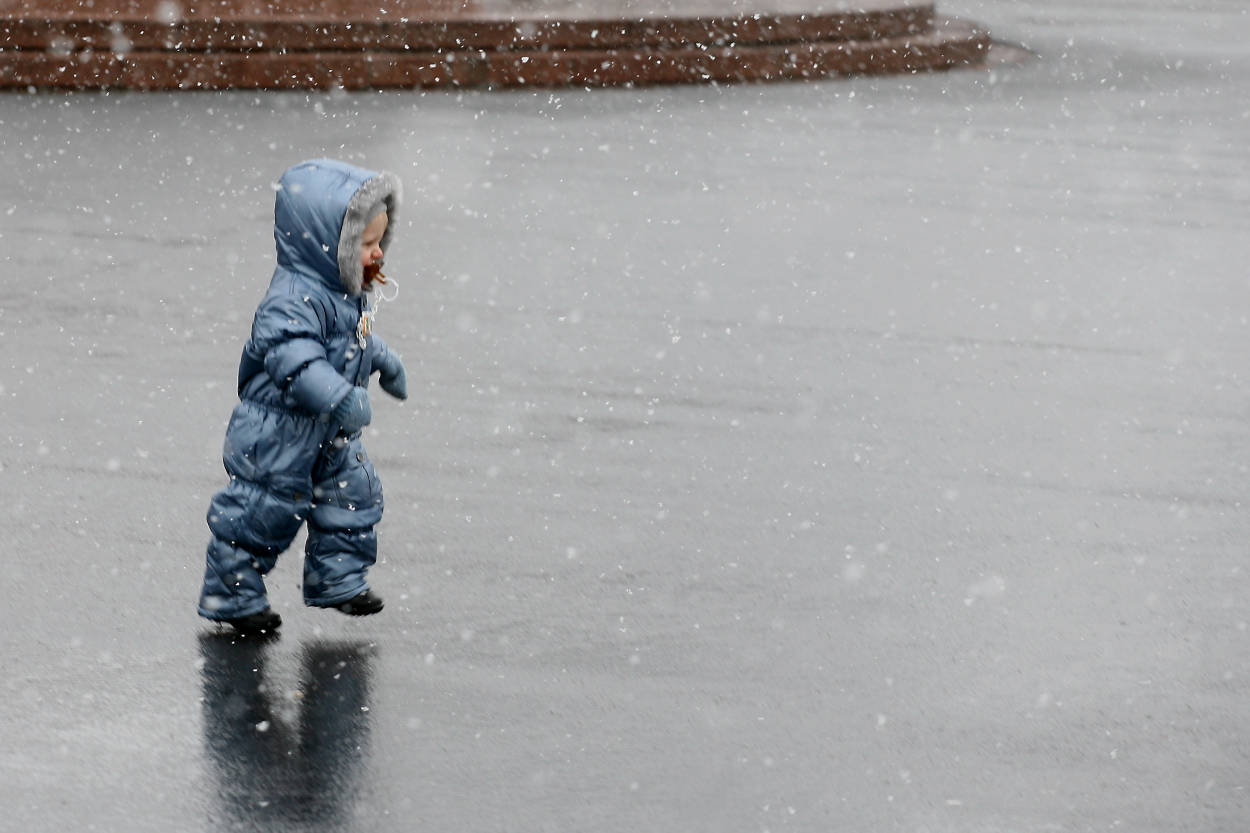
376, 297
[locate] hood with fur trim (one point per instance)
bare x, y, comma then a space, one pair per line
321, 212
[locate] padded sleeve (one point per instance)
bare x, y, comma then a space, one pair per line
319, 387
378, 354
289, 332
285, 360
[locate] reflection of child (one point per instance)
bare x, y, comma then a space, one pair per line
293, 449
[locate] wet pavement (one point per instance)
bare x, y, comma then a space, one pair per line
851, 456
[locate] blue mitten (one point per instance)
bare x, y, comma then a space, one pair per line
391, 375
353, 413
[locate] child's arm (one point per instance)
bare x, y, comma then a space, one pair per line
289, 332
391, 374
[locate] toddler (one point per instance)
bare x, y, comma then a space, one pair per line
293, 449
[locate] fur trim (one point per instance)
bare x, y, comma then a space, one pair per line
384, 187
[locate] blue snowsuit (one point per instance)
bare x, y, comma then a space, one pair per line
287, 459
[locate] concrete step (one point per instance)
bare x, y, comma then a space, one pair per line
493, 43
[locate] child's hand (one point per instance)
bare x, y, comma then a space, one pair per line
392, 377
354, 412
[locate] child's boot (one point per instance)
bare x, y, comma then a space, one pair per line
365, 604
263, 622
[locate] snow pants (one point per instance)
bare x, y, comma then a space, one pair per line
286, 469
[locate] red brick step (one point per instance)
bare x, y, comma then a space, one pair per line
148, 45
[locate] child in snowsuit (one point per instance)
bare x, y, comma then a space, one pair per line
293, 449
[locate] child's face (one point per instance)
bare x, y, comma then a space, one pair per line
371, 241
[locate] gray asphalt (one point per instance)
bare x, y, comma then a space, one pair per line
853, 456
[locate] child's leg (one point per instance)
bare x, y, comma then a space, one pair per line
269, 457
335, 563
234, 586
342, 546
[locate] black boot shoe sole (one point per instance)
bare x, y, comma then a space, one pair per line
366, 604
262, 622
